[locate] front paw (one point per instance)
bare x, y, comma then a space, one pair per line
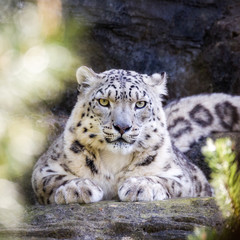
142, 189
78, 191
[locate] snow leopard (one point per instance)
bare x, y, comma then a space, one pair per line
120, 143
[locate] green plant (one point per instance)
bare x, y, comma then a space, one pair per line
225, 179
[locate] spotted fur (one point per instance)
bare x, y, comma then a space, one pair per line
193, 118
116, 143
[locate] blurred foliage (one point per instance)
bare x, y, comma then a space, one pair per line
37, 61
225, 176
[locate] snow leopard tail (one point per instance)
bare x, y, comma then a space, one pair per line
191, 118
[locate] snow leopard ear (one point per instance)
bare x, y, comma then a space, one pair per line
159, 82
85, 77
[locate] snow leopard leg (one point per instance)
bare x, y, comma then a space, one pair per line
152, 188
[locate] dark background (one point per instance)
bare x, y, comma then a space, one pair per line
197, 42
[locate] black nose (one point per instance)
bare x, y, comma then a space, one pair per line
122, 128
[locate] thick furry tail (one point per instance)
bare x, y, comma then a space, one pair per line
192, 118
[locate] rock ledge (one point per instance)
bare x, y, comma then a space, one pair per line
169, 219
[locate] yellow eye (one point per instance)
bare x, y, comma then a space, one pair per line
103, 102
141, 104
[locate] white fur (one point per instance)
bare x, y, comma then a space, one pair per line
91, 162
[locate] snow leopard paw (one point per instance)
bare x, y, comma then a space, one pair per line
78, 191
142, 189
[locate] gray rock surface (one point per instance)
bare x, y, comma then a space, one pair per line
220, 57
170, 219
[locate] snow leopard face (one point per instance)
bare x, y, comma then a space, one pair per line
123, 110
